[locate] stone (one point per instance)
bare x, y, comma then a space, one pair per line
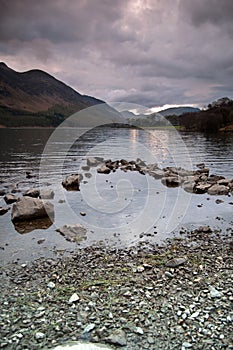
218, 190
171, 181
32, 192
89, 328
3, 210
51, 285
157, 174
39, 335
72, 182
214, 293
94, 161
117, 337
46, 194
73, 233
204, 229
103, 170
74, 298
27, 208
2, 192
10, 198
201, 188
176, 262
188, 186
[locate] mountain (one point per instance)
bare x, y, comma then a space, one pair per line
178, 111
26, 96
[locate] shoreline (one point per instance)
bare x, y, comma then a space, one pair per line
155, 298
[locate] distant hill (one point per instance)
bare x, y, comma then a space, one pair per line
178, 111
37, 98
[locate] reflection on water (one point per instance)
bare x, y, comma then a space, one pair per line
29, 226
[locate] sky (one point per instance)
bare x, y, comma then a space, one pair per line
147, 52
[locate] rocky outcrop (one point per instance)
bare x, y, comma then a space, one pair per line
28, 208
72, 182
193, 181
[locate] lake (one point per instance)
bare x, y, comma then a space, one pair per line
121, 206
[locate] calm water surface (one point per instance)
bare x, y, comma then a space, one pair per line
119, 206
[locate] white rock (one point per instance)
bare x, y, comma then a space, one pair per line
89, 328
74, 298
39, 335
82, 346
51, 285
186, 345
195, 314
139, 330
214, 293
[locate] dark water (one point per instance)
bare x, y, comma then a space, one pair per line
119, 206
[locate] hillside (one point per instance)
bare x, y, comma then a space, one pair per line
37, 98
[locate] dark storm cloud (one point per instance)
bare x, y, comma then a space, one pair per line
140, 51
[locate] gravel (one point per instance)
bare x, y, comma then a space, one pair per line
133, 298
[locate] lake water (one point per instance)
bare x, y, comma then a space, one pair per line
119, 206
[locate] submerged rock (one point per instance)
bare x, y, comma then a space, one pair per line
27, 208
46, 194
73, 233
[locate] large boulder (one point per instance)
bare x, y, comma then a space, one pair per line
218, 190
202, 188
28, 208
72, 182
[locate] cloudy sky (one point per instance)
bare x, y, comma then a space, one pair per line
149, 52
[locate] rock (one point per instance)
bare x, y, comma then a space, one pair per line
218, 190
94, 161
203, 170
189, 186
34, 224
74, 297
88, 175
204, 229
27, 208
10, 198
73, 233
157, 174
139, 330
3, 210
103, 170
202, 188
46, 194
39, 335
82, 213
72, 182
176, 262
118, 337
89, 328
218, 201
214, 293
200, 165
2, 192
32, 192
51, 285
171, 181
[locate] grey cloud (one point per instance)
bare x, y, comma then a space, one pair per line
147, 52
